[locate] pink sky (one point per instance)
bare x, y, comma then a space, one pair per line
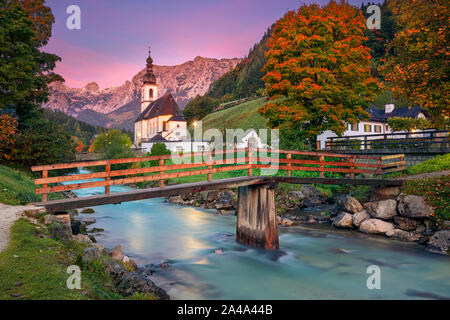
111, 46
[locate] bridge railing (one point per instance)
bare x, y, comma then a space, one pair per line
397, 140
162, 168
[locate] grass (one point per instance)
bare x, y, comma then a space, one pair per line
436, 164
17, 187
439, 163
242, 116
39, 264
34, 267
436, 192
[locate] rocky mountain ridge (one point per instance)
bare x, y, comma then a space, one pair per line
119, 106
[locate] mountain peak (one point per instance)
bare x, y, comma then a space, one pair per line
92, 86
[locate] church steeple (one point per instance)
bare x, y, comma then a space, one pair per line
149, 77
149, 87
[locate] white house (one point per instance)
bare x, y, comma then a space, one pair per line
161, 120
252, 139
377, 123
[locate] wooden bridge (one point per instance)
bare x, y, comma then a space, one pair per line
256, 218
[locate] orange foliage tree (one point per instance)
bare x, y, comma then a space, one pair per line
418, 64
318, 66
8, 127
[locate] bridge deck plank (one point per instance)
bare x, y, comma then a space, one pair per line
119, 197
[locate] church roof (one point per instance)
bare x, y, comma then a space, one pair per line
164, 106
157, 138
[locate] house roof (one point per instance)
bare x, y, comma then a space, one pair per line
377, 114
157, 138
164, 106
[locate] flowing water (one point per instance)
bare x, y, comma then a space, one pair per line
312, 264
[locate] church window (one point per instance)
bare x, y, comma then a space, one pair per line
150, 93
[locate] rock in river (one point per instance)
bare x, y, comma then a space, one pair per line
412, 206
134, 282
343, 220
352, 205
385, 209
360, 217
376, 226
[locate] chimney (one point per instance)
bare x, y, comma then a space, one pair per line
389, 108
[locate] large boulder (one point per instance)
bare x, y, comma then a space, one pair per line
376, 226
63, 219
406, 224
385, 209
117, 253
440, 242
384, 193
225, 200
85, 221
352, 205
91, 254
412, 206
82, 238
134, 282
360, 217
403, 235
115, 270
343, 220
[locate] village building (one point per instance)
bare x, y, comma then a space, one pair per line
376, 124
161, 120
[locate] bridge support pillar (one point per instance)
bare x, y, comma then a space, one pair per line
256, 218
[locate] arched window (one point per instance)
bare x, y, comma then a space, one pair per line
150, 93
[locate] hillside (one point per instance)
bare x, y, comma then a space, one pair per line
74, 127
101, 107
243, 116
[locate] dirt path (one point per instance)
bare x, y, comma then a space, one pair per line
8, 215
427, 175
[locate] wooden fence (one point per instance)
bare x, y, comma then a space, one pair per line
207, 163
398, 140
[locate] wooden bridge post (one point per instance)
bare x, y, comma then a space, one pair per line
256, 218
289, 164
322, 167
352, 161
44, 176
380, 168
108, 171
210, 166
161, 182
249, 161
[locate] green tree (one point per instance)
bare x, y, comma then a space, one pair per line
159, 149
198, 108
318, 63
113, 140
42, 142
25, 72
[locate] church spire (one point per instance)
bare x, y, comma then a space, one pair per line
149, 77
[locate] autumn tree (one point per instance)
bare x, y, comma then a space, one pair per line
418, 66
8, 128
318, 66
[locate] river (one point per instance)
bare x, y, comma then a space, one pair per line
312, 263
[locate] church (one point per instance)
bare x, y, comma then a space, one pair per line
160, 120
